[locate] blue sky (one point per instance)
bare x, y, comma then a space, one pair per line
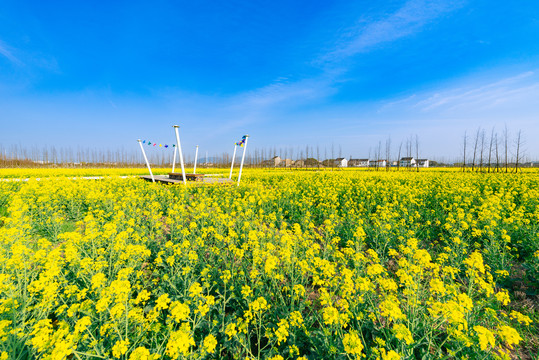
289, 73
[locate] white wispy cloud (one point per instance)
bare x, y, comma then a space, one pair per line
262, 105
407, 20
267, 102
294, 92
441, 116
359, 38
7, 52
513, 92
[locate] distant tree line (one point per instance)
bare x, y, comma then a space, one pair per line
492, 153
52, 156
485, 153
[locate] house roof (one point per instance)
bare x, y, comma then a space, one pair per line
422, 159
407, 158
340, 159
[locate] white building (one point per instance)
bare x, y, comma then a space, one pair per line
423, 163
407, 162
358, 162
286, 162
341, 162
378, 163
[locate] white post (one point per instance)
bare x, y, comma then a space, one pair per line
174, 161
243, 158
233, 157
180, 152
196, 157
146, 159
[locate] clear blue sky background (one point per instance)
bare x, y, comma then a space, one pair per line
289, 73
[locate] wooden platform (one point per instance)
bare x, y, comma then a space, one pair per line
189, 177
167, 180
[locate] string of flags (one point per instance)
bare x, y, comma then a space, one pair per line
156, 144
242, 142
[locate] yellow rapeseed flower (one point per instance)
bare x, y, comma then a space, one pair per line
120, 348
509, 335
390, 308
352, 343
179, 311
486, 337
162, 302
403, 333
210, 342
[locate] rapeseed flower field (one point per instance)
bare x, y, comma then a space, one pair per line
289, 265
15, 173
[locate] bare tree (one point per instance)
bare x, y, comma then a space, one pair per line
505, 140
497, 155
482, 150
378, 155
490, 148
464, 157
399, 157
475, 147
332, 155
325, 154
417, 152
318, 155
388, 152
408, 148
518, 144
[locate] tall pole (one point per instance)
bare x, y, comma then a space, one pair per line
176, 127
233, 157
174, 161
146, 159
196, 157
243, 158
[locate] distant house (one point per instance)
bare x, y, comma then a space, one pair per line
341, 162
358, 162
422, 163
274, 161
407, 162
286, 162
377, 163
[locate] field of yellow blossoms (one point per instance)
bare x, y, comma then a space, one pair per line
15, 173
289, 265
